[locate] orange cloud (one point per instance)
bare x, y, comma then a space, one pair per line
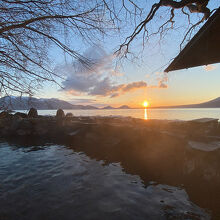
209, 67
162, 80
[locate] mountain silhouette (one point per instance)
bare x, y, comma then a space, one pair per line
215, 103
25, 103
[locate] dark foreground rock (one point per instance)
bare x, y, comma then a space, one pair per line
32, 113
60, 114
4, 114
66, 127
69, 115
20, 115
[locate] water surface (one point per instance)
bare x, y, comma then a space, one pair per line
55, 182
170, 114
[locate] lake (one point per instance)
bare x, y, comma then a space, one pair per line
170, 114
53, 182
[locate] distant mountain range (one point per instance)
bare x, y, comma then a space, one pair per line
215, 103
121, 107
25, 103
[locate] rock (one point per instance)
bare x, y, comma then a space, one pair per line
4, 114
44, 127
20, 114
203, 126
73, 133
22, 132
32, 113
212, 146
69, 115
15, 117
60, 114
15, 124
25, 127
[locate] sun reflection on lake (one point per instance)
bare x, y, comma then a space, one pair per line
145, 114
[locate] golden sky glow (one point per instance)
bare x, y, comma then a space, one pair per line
190, 86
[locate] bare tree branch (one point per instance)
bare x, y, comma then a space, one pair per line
28, 28
194, 6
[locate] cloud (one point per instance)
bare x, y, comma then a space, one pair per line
95, 80
105, 87
162, 81
162, 85
209, 67
134, 85
114, 95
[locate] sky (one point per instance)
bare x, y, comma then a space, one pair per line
138, 78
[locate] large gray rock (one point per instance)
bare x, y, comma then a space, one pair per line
21, 115
32, 113
60, 114
69, 115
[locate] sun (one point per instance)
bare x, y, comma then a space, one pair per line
145, 104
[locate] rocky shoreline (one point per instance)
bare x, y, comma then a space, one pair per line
67, 127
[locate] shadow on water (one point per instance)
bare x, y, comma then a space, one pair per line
158, 157
154, 157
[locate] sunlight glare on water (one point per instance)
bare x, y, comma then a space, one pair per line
145, 114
